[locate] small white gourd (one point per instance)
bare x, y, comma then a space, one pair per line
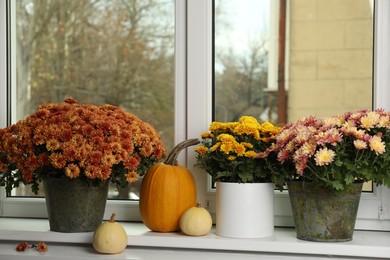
196, 221
110, 237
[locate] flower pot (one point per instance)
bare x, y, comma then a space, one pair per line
73, 205
324, 215
244, 210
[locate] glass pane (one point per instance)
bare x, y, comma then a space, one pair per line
328, 59
99, 52
241, 60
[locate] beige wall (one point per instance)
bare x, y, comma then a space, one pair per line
330, 57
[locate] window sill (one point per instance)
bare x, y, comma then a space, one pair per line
370, 244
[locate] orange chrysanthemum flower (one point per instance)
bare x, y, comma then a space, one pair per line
132, 177
41, 247
22, 246
72, 171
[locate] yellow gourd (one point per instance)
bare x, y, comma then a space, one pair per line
110, 237
196, 221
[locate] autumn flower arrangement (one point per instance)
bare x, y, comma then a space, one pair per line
334, 151
87, 142
228, 151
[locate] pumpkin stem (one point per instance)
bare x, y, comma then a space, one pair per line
172, 156
198, 205
112, 219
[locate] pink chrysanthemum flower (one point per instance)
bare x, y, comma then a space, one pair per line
360, 144
309, 148
302, 135
370, 120
331, 136
384, 121
283, 155
324, 156
333, 121
376, 145
284, 136
300, 162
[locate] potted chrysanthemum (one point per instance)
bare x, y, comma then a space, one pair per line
330, 157
228, 152
70, 144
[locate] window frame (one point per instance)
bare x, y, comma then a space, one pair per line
193, 113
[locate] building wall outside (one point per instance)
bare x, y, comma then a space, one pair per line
330, 57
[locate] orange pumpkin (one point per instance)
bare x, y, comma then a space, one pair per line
167, 191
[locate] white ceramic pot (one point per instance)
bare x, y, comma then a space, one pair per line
244, 210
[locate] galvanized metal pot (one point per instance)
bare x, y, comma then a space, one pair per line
73, 205
322, 214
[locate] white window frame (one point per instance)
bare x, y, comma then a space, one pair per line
193, 113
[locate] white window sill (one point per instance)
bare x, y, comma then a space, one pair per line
144, 243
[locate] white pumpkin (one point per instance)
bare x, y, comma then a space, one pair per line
110, 237
196, 221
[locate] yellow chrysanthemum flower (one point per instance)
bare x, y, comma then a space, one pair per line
231, 158
227, 147
247, 145
239, 149
226, 138
248, 129
215, 147
268, 127
206, 135
222, 127
202, 150
251, 154
248, 120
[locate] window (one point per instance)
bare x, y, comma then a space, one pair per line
193, 112
115, 52
373, 213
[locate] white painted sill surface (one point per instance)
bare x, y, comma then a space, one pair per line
144, 244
